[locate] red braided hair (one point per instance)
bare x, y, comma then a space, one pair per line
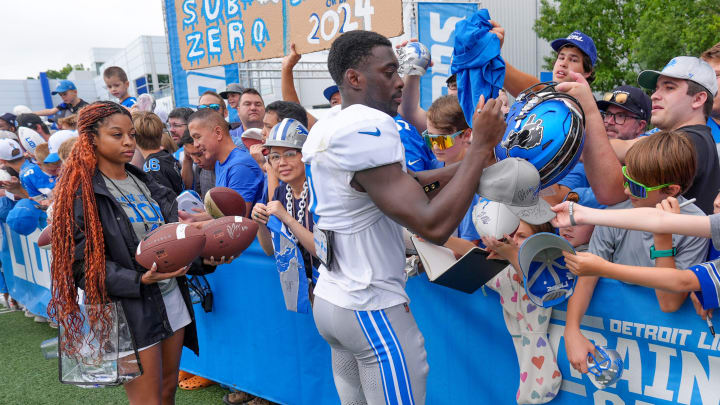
77, 172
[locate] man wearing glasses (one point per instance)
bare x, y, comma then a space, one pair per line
626, 112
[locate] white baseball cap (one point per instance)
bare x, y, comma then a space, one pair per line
516, 183
682, 67
494, 219
30, 139
57, 139
10, 150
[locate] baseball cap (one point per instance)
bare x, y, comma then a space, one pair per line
64, 86
494, 219
57, 139
252, 133
9, 118
328, 92
30, 139
10, 150
29, 120
547, 279
24, 218
8, 135
231, 88
289, 133
630, 98
516, 183
581, 41
682, 67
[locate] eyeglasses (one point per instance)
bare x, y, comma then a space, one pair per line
289, 154
215, 107
639, 190
440, 142
619, 118
172, 125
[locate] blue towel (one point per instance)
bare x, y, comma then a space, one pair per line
477, 62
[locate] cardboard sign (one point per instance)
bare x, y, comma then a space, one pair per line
221, 32
314, 24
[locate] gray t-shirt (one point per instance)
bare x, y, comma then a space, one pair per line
632, 248
144, 213
715, 230
204, 181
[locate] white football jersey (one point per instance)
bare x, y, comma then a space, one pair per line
368, 246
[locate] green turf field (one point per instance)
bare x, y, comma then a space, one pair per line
26, 378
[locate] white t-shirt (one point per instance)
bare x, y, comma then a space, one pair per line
368, 246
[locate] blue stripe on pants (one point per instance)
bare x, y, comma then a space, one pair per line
380, 354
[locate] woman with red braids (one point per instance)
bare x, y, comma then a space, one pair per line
103, 207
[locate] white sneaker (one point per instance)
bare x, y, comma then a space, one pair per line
29, 314
40, 319
53, 325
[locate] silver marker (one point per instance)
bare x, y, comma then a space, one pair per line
688, 202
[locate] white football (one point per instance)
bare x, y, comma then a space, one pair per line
494, 219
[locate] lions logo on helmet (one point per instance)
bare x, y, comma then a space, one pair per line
529, 136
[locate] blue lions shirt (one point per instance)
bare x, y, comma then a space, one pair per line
418, 156
129, 102
36, 182
714, 129
241, 173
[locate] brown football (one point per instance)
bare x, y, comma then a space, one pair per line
228, 236
223, 201
45, 238
171, 246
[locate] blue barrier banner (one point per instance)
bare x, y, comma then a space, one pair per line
251, 342
436, 30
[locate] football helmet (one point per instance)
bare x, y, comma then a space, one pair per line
605, 367
546, 128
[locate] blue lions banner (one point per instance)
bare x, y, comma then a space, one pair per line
250, 341
291, 267
436, 30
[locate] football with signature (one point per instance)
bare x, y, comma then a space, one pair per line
171, 246
223, 201
228, 236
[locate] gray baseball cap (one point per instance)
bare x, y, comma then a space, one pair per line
682, 67
516, 183
231, 88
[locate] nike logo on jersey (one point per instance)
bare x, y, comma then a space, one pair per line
413, 162
376, 133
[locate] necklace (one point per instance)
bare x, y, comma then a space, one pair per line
290, 204
132, 205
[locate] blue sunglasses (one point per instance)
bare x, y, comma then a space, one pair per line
215, 107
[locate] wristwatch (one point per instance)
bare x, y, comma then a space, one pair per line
654, 254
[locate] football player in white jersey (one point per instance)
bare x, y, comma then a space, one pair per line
362, 196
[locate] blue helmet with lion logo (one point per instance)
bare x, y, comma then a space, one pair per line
546, 128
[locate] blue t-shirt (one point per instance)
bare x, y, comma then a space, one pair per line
418, 156
466, 229
236, 135
241, 173
577, 181
714, 129
129, 102
35, 181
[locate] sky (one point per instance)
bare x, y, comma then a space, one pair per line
48, 34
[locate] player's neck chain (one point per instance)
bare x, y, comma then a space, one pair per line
290, 204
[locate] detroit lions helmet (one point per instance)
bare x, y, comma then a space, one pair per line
546, 128
605, 367
414, 59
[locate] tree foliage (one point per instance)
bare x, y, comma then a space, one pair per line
632, 35
64, 72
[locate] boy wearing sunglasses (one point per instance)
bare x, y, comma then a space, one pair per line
657, 167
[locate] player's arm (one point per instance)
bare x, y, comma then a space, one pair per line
48, 111
403, 199
436, 179
637, 219
287, 81
662, 278
410, 108
603, 169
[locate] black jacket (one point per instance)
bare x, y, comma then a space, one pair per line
143, 304
165, 169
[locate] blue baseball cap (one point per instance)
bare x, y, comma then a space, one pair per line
328, 93
579, 40
64, 86
547, 279
24, 218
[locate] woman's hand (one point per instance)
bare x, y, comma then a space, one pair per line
222, 260
153, 276
260, 214
276, 208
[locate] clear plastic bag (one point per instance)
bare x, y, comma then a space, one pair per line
98, 364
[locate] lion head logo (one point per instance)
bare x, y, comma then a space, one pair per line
528, 137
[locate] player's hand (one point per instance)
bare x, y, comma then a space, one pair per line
291, 59
704, 313
579, 88
499, 31
488, 124
577, 348
584, 263
222, 260
152, 276
260, 214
